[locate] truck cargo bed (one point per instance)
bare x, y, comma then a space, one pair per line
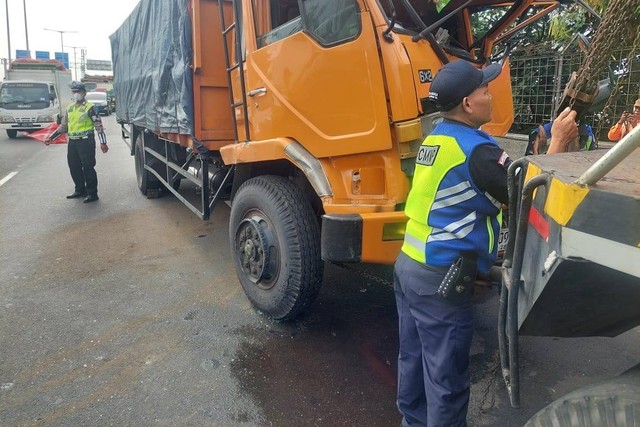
169, 72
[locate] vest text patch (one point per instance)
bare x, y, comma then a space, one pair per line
427, 155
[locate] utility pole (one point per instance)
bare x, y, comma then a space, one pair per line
6, 4
83, 61
26, 31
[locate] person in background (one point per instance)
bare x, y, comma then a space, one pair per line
459, 185
79, 123
539, 139
627, 122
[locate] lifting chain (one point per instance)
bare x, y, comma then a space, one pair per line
613, 30
360, 270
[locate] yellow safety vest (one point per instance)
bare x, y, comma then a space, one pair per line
447, 213
79, 123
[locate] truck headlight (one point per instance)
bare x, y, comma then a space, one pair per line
46, 118
7, 119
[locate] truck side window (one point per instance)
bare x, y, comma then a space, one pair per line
52, 94
331, 21
275, 20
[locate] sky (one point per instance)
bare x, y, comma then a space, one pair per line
93, 22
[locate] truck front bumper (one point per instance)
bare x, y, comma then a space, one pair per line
24, 127
367, 237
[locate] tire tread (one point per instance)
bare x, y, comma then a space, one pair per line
302, 236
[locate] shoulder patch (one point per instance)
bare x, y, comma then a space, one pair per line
427, 155
503, 158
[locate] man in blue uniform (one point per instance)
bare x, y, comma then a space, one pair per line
459, 185
79, 122
539, 137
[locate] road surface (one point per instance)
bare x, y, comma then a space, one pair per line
128, 312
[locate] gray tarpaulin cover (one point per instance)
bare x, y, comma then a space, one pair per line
152, 79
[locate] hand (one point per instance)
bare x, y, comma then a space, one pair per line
104, 147
564, 132
624, 117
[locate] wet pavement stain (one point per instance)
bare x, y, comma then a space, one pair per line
338, 366
335, 367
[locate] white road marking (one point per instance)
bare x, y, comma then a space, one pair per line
7, 178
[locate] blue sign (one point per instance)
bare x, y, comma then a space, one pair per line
62, 57
41, 54
22, 54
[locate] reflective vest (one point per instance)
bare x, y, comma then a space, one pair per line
447, 213
79, 123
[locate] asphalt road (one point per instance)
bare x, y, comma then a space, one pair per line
128, 312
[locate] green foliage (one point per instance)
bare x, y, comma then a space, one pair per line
482, 19
565, 22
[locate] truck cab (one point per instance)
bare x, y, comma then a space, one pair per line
34, 95
27, 106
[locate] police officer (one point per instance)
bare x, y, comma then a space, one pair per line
459, 185
79, 122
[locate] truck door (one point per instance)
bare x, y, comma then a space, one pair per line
314, 75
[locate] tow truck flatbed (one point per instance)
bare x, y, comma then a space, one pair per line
582, 250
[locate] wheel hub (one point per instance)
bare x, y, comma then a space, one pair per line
253, 250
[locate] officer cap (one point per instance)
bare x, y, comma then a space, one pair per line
78, 87
458, 79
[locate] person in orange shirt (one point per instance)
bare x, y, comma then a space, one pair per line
626, 123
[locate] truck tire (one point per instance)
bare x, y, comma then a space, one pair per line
12, 133
143, 176
275, 242
615, 403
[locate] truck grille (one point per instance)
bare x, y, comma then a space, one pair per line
26, 120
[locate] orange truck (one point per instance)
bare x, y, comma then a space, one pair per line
305, 116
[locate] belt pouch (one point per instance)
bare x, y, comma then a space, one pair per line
457, 285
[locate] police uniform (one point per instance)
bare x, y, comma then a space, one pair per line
79, 123
453, 207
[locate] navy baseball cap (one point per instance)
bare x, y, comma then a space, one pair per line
458, 79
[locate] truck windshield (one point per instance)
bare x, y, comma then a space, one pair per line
24, 96
463, 27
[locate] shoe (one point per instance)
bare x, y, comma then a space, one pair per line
91, 198
76, 195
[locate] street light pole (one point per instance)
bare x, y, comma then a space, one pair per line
26, 31
6, 4
61, 36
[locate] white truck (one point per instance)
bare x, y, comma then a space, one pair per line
34, 94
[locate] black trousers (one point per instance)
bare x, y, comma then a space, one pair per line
435, 342
81, 156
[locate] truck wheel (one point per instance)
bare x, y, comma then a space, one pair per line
275, 241
12, 133
143, 176
610, 404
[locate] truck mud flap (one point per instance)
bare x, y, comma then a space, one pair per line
341, 239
